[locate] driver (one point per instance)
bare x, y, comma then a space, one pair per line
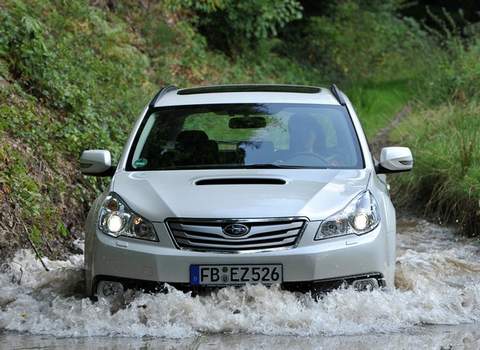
304, 134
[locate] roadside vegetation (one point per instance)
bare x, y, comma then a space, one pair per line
74, 75
444, 133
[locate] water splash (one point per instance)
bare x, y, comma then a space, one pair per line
438, 280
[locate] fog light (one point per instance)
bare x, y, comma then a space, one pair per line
367, 284
109, 289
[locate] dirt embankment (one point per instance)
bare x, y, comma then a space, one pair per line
20, 226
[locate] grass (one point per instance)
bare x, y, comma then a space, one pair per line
444, 134
446, 176
377, 103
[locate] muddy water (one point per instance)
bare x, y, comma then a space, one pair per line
436, 305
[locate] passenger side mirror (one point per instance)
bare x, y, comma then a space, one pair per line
395, 160
96, 163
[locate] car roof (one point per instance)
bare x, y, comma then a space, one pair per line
244, 93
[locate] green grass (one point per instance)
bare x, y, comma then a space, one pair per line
444, 134
446, 176
377, 103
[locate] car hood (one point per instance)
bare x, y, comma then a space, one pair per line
312, 193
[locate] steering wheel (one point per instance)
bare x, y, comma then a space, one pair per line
308, 154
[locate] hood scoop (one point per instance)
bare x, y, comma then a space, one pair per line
241, 181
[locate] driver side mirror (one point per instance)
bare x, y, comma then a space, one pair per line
395, 160
96, 163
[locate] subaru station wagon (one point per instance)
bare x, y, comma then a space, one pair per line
243, 184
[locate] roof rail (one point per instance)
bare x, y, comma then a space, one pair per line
160, 94
338, 95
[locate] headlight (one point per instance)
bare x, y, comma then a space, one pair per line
360, 216
117, 219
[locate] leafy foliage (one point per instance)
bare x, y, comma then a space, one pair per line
72, 80
235, 26
76, 62
358, 41
457, 74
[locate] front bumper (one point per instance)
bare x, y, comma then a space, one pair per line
333, 260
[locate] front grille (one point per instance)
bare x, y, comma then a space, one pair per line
209, 235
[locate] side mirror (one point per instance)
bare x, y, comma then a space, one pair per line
96, 163
395, 160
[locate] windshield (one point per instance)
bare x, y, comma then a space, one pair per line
246, 135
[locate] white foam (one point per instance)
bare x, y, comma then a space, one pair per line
438, 278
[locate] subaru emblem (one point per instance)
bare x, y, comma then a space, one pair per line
236, 230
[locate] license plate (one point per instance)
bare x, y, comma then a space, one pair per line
224, 275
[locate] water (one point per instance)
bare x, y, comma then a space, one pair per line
446, 338
436, 304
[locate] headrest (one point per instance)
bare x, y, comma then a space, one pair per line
192, 137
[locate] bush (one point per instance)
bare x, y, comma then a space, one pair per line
180, 55
446, 176
456, 78
237, 26
77, 62
357, 41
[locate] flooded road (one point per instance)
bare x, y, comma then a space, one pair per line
436, 306
429, 337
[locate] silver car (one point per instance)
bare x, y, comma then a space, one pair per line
242, 184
